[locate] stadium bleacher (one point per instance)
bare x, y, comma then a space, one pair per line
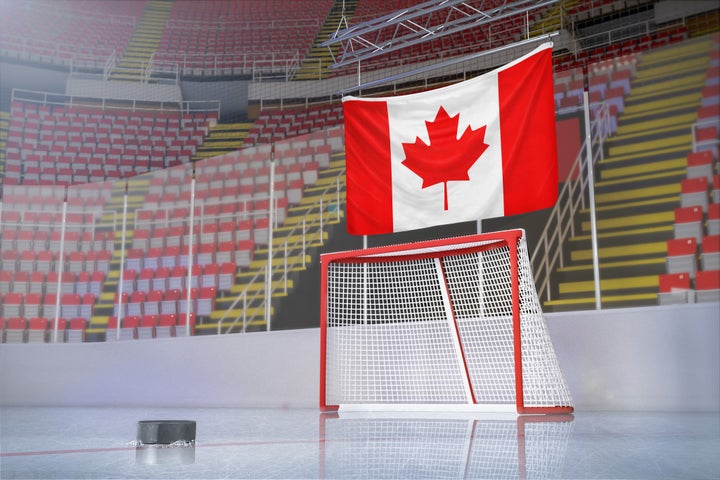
59, 145
63, 33
91, 158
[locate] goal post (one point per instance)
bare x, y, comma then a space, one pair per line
450, 324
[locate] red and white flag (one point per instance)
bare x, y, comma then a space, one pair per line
482, 148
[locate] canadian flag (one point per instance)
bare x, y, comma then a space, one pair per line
481, 148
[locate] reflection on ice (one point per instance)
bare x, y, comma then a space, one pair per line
177, 453
302, 443
397, 446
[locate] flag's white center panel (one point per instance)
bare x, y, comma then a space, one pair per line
414, 117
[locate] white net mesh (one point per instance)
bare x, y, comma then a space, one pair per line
396, 448
436, 327
392, 329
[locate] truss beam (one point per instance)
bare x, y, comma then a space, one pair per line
422, 23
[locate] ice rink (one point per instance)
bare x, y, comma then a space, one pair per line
98, 443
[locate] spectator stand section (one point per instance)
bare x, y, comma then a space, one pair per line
256, 38
152, 260
67, 33
607, 29
608, 82
57, 139
57, 248
202, 240
191, 255
275, 125
693, 254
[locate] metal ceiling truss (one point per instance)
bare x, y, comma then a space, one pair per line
422, 23
517, 47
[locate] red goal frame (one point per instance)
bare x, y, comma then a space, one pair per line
471, 244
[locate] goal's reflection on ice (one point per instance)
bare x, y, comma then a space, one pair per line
420, 445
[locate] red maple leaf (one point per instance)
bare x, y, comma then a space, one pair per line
447, 158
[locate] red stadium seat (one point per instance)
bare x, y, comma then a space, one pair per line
710, 253
15, 330
713, 219
694, 191
20, 281
674, 288
6, 280
129, 326
244, 253
76, 330
689, 222
33, 306
152, 302
49, 305
700, 164
185, 322
166, 326
144, 280
209, 277
707, 286
225, 252
37, 330
682, 256
146, 327
226, 276
70, 305
169, 304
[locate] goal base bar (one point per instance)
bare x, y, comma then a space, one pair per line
448, 408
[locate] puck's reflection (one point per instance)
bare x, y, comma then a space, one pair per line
165, 455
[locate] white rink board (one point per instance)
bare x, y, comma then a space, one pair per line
637, 359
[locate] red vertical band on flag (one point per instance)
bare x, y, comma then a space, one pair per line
368, 168
527, 130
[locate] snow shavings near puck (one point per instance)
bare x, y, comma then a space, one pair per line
165, 432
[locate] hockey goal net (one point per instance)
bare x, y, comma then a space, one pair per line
441, 325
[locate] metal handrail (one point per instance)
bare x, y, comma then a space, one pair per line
105, 103
244, 63
110, 64
240, 25
264, 68
301, 243
549, 254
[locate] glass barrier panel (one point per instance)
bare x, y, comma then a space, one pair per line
89, 245
32, 258
169, 269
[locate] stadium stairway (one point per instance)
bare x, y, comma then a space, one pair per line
638, 184
316, 63
552, 19
223, 138
144, 42
137, 188
287, 237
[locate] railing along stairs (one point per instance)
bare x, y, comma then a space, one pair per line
304, 236
575, 195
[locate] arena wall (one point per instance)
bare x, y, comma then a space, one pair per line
664, 358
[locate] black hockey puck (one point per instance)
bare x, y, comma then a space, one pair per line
165, 432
